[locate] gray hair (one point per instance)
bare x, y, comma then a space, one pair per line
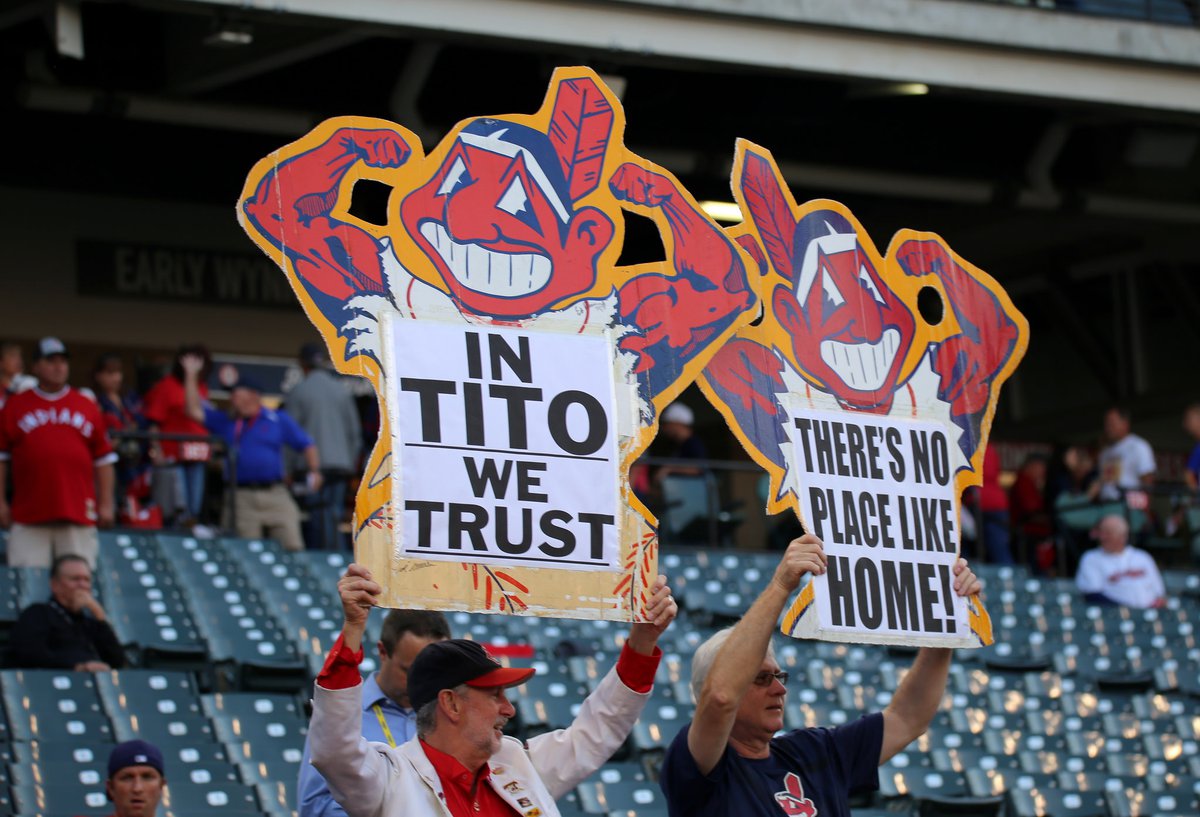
427, 714
706, 653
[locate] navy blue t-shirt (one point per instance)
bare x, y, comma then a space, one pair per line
810, 773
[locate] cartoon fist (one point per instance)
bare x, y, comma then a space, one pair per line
637, 185
377, 148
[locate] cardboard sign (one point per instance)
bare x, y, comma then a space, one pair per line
866, 389
503, 447
506, 235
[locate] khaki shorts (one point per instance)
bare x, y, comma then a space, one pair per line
40, 545
269, 512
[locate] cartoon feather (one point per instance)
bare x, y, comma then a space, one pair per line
580, 127
769, 211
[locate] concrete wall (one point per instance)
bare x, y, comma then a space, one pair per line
38, 287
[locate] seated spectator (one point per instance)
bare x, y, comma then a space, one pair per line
135, 779
1117, 572
68, 631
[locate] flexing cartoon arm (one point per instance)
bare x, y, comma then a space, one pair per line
969, 361
292, 203
678, 315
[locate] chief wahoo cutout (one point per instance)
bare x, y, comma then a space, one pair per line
520, 369
866, 390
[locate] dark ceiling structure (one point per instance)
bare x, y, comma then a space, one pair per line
1088, 214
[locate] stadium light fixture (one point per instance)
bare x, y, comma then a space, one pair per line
886, 89
726, 211
229, 34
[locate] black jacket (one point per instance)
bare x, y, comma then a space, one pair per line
48, 636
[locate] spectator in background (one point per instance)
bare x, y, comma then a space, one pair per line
120, 411
1127, 462
13, 379
992, 502
70, 630
52, 441
325, 409
1116, 572
387, 714
262, 503
1072, 477
135, 779
677, 427
1028, 513
1191, 424
180, 467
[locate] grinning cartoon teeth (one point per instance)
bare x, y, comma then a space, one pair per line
862, 366
503, 275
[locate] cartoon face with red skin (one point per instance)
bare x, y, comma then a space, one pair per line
849, 331
497, 223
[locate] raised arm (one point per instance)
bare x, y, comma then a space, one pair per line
741, 656
916, 701
292, 207
565, 757
678, 315
193, 406
358, 772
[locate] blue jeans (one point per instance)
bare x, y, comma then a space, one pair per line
995, 538
192, 476
325, 514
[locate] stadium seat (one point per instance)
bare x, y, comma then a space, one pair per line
1125, 803
911, 774
549, 701
597, 797
48, 705
154, 705
190, 796
10, 608
62, 798
1100, 781
658, 725
1047, 802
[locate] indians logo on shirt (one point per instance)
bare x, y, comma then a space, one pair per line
792, 799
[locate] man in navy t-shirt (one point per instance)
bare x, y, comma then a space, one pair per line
727, 761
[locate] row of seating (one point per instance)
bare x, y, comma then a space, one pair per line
1049, 733
236, 751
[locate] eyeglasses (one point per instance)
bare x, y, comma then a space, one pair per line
764, 679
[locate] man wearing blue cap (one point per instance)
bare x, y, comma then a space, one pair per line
135, 779
262, 501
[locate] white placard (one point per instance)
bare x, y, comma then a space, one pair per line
880, 493
504, 446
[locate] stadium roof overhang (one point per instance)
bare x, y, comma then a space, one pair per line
1058, 151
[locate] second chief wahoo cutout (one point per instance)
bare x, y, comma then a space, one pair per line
521, 369
866, 389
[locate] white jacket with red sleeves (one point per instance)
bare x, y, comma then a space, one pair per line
373, 780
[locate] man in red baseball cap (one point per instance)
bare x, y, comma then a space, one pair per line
460, 759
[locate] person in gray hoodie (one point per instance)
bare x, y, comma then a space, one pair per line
325, 409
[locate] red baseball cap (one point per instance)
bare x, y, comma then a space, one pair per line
446, 664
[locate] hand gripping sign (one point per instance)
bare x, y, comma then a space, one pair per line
520, 370
866, 391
